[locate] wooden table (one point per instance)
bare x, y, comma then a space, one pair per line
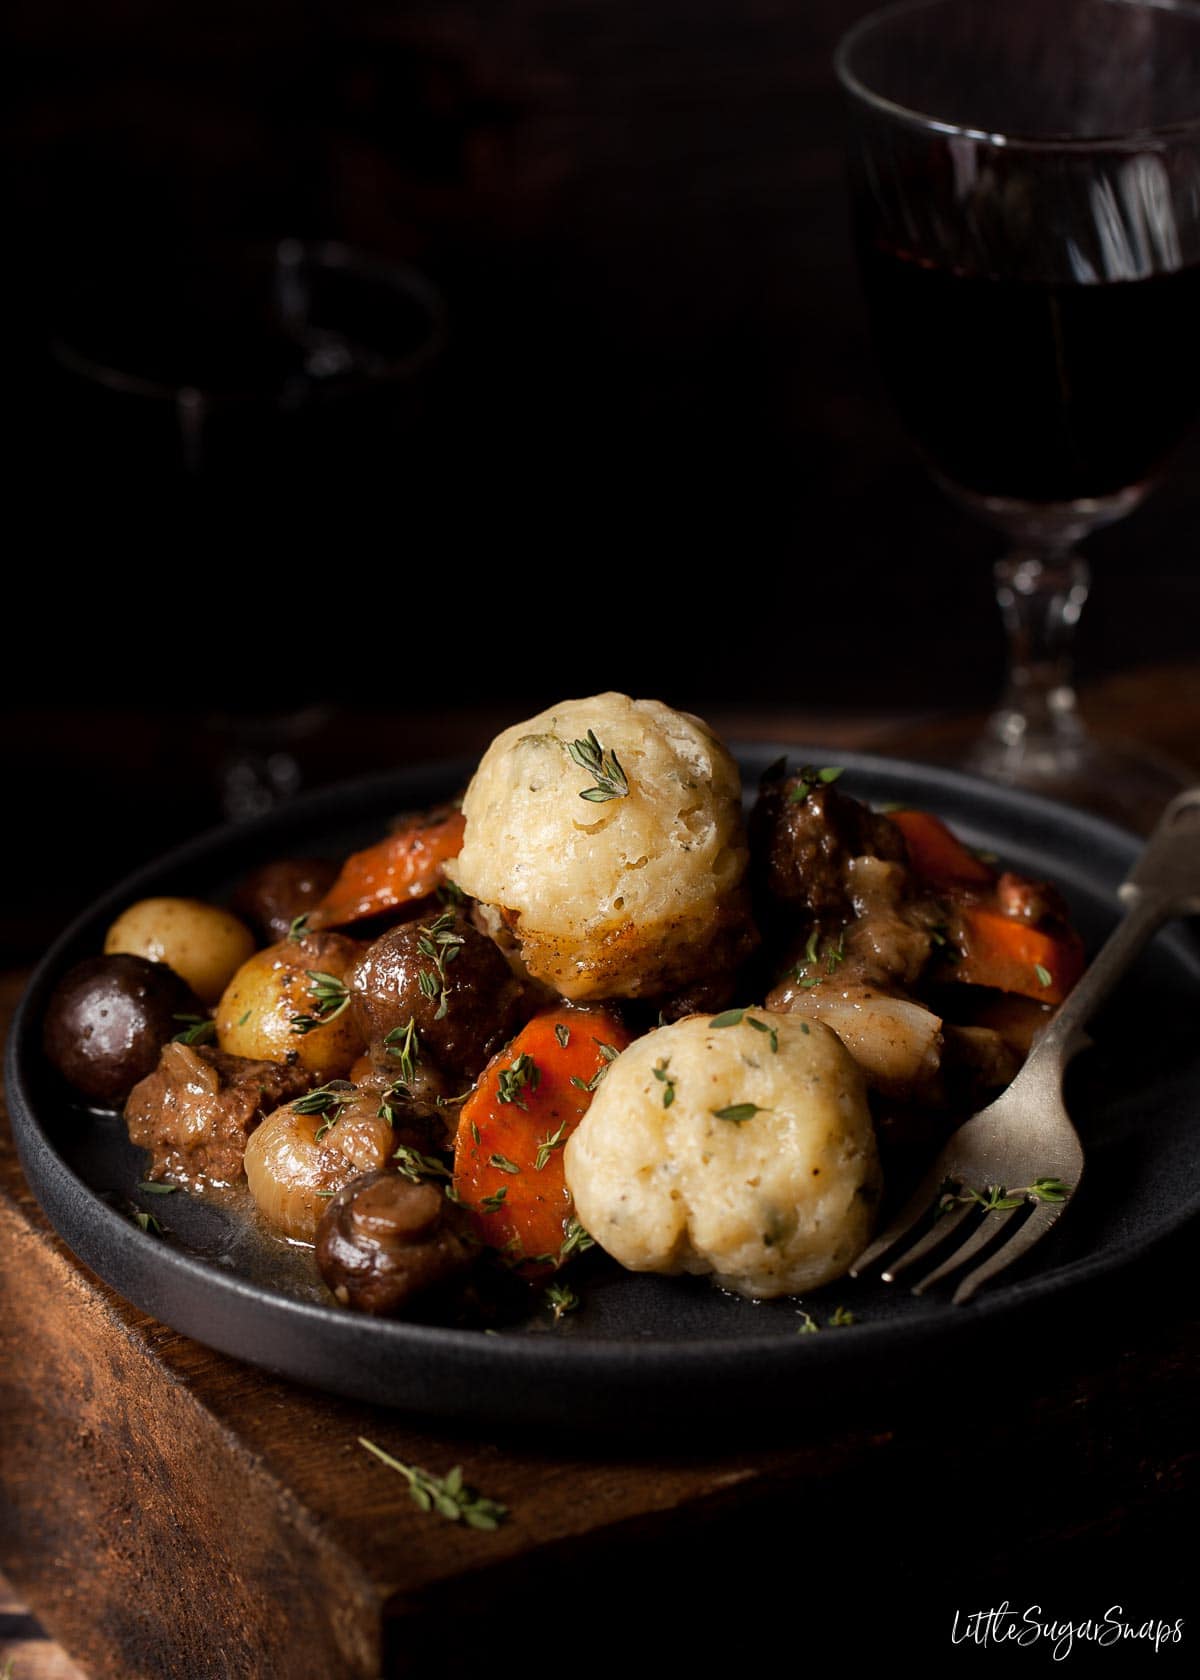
169, 1513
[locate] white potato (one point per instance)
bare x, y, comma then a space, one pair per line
771, 1203
204, 944
622, 897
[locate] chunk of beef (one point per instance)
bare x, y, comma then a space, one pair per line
196, 1110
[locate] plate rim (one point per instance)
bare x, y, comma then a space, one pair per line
55, 1182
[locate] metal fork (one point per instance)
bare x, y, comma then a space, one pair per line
1026, 1135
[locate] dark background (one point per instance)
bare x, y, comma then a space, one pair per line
656, 455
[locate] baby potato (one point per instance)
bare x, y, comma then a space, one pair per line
202, 943
289, 1003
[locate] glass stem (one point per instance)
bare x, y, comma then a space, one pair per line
1036, 728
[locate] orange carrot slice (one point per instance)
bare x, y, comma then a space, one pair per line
936, 854
404, 867
1014, 957
508, 1154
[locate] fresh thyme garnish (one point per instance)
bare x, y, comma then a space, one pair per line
414, 1166
997, 1198
441, 944
562, 1034
609, 1054
489, 1204
148, 1223
737, 1112
298, 928
807, 779
503, 1164
562, 1298
404, 1044
330, 996
611, 780
575, 1240
523, 1074
475, 1132
834, 955
735, 1017
328, 1101
551, 1142
163, 1188
1045, 978
451, 894
839, 1318
198, 1029
245, 1018
397, 1091
762, 1027
450, 1191
665, 1079
447, 1495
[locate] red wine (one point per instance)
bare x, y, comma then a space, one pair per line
1037, 393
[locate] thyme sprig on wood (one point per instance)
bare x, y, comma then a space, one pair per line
604, 766
448, 1495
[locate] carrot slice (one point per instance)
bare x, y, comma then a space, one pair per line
1014, 957
936, 854
508, 1153
404, 867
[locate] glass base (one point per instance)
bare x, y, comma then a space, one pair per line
1116, 779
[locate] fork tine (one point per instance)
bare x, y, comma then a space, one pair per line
941, 1228
987, 1232
1034, 1228
913, 1211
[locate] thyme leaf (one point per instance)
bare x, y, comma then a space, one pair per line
611, 780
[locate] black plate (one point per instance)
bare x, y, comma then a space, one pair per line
642, 1347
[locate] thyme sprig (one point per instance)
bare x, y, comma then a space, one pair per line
404, 1043
735, 1017
197, 1029
575, 1240
997, 1198
562, 1299
605, 767
415, 1167
327, 1100
523, 1074
666, 1080
738, 1112
330, 996
551, 1142
807, 778
448, 1495
609, 1055
441, 943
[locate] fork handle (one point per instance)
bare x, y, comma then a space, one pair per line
1164, 882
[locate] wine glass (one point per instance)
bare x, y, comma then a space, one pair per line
1025, 183
278, 363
